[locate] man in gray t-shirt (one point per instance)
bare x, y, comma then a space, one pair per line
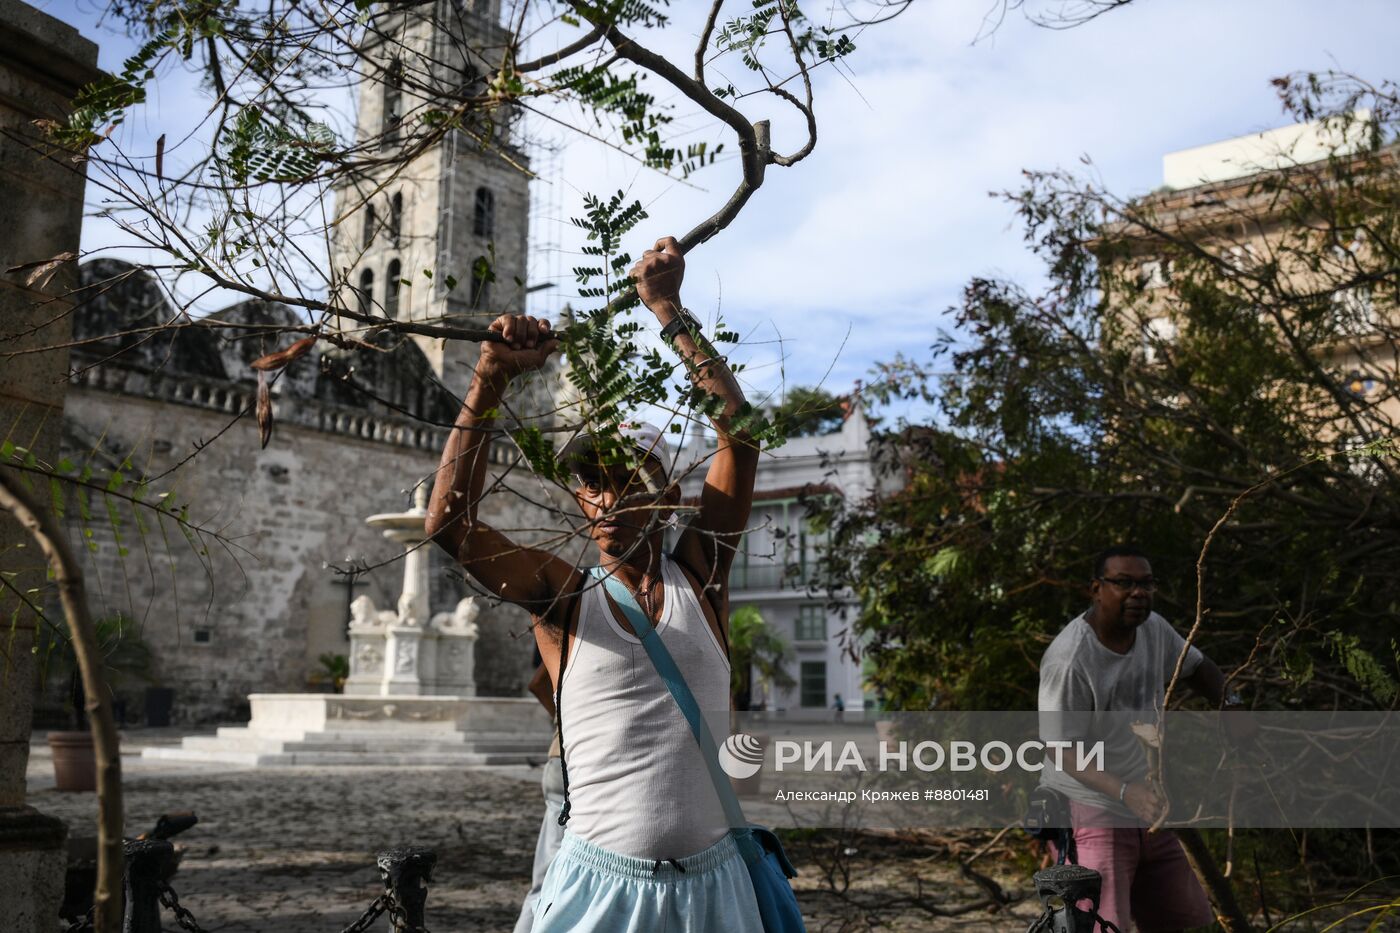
1082, 679
1113, 661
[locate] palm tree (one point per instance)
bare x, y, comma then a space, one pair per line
756, 653
125, 657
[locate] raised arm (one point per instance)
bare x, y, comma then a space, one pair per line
712, 537
525, 576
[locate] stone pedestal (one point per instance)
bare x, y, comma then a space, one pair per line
43, 62
299, 729
402, 646
389, 659
454, 665
367, 627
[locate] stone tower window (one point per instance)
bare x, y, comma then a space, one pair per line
396, 217
391, 289
481, 282
484, 219
370, 222
365, 293
393, 101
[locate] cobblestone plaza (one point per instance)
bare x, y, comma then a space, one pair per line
292, 850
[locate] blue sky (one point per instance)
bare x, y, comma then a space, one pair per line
856, 253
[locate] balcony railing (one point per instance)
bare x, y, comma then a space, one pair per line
774, 576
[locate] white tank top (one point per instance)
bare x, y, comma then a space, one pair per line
637, 783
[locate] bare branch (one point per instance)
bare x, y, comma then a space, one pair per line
703, 45
47, 533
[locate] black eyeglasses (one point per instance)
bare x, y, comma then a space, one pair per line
1128, 584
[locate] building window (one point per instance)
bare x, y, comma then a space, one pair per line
1158, 334
484, 219
1243, 258
1352, 305
1154, 273
482, 276
391, 289
1355, 311
813, 684
739, 569
393, 102
811, 545
1363, 458
203, 636
811, 623
364, 295
371, 221
396, 217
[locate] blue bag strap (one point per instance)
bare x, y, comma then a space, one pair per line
671, 675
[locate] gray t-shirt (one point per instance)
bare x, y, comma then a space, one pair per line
1079, 675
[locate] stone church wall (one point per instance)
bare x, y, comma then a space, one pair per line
252, 610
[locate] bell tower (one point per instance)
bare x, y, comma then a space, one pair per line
438, 231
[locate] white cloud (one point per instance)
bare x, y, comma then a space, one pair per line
876, 233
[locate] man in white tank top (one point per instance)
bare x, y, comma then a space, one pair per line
647, 845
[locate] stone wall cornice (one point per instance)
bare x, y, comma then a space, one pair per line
231, 398
1261, 198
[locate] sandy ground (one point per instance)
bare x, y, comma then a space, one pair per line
293, 850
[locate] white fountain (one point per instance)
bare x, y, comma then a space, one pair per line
410, 698
407, 652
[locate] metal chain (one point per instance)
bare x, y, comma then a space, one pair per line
84, 923
170, 901
398, 919
376, 907
1046, 921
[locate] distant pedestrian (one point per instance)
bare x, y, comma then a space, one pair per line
552, 785
840, 707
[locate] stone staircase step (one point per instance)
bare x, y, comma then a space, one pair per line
248, 759
316, 729
329, 758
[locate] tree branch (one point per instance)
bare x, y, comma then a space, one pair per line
46, 532
554, 58
704, 42
754, 141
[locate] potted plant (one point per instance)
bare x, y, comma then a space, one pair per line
126, 658
757, 655
335, 670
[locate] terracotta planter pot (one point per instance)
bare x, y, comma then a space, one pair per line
74, 764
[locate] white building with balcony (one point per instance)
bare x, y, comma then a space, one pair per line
776, 570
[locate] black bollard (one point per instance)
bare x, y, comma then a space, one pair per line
406, 871
148, 863
1061, 888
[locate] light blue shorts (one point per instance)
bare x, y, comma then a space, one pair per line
591, 889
